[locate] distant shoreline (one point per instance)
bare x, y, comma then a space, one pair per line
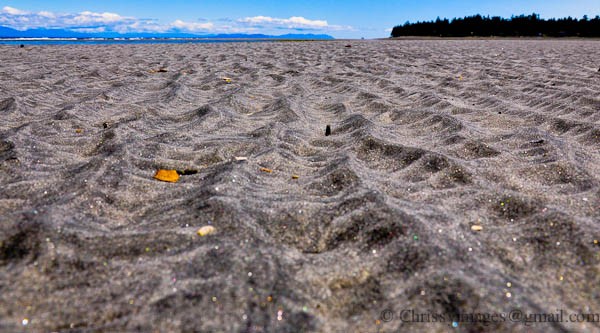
96, 41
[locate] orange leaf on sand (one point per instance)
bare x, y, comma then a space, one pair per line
170, 176
266, 170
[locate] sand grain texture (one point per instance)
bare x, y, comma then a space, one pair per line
428, 138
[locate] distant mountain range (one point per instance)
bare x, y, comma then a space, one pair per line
6, 32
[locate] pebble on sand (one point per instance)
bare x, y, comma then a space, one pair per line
327, 130
170, 176
206, 230
476, 228
295, 176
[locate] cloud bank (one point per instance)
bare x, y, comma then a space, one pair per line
88, 21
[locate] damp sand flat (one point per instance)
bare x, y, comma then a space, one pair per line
428, 139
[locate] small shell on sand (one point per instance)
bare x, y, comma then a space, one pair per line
206, 230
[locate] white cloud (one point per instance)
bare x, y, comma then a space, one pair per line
85, 21
46, 14
294, 22
88, 21
91, 17
13, 11
192, 26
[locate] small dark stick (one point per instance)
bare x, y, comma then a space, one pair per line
187, 172
327, 130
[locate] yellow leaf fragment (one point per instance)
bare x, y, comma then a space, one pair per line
167, 175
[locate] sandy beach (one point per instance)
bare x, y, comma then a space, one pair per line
461, 178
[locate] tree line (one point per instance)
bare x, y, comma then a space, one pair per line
516, 26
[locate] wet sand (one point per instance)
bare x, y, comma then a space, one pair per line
460, 177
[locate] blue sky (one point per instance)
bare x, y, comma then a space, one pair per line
341, 19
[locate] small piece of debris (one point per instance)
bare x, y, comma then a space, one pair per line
266, 170
160, 70
22, 46
105, 125
170, 176
79, 131
241, 158
187, 172
476, 228
295, 176
348, 45
327, 130
206, 230
537, 141
227, 79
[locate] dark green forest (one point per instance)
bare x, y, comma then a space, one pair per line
516, 26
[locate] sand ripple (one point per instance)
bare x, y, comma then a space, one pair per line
428, 139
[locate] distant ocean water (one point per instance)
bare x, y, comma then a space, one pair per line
100, 41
